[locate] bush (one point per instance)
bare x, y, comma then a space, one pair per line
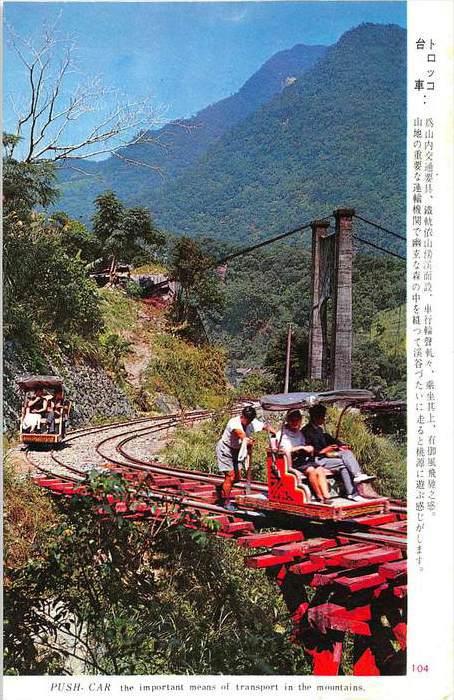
114, 350
46, 291
118, 597
134, 290
193, 375
377, 455
27, 515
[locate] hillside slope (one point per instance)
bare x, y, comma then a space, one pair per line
334, 137
180, 144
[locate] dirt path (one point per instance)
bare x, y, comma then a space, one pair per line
137, 360
150, 319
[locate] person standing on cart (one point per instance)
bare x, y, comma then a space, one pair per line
237, 431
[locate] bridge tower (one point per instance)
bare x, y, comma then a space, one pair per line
322, 269
332, 258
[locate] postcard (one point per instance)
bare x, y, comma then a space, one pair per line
228, 343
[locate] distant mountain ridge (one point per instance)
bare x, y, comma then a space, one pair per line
185, 140
336, 136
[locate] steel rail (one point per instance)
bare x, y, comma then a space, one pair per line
158, 468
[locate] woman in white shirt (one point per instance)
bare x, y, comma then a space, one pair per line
300, 456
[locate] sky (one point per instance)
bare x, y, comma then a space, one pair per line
183, 56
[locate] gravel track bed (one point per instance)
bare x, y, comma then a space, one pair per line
79, 452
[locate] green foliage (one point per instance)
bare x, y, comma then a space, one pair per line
46, 293
379, 284
193, 375
388, 328
140, 234
255, 384
194, 447
336, 136
27, 513
187, 141
198, 290
264, 292
225, 617
124, 234
120, 313
25, 185
373, 369
133, 290
45, 290
275, 359
268, 289
114, 597
75, 238
114, 349
377, 455
107, 219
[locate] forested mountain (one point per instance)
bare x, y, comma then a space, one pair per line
336, 136
179, 144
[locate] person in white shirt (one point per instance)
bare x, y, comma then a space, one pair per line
236, 436
300, 456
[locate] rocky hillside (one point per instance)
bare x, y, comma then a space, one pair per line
93, 392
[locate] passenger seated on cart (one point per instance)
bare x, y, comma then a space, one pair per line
30, 420
300, 455
60, 410
333, 454
35, 410
50, 413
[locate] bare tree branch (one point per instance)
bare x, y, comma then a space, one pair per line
53, 103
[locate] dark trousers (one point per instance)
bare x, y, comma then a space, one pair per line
50, 417
346, 465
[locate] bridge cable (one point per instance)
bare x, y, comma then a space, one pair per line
244, 251
386, 230
383, 250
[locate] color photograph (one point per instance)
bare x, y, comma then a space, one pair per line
208, 211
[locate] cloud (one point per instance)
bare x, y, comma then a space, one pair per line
237, 14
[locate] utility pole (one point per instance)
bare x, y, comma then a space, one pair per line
287, 361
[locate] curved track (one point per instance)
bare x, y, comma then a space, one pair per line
336, 578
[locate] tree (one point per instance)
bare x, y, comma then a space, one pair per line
45, 288
199, 290
75, 238
25, 185
276, 358
52, 103
140, 233
123, 233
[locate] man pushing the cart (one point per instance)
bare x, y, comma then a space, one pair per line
234, 447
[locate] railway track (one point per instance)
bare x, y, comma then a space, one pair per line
338, 579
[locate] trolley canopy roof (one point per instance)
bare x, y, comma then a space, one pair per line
31, 382
306, 399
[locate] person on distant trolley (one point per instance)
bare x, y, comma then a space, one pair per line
50, 413
31, 419
333, 454
60, 411
35, 409
238, 431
